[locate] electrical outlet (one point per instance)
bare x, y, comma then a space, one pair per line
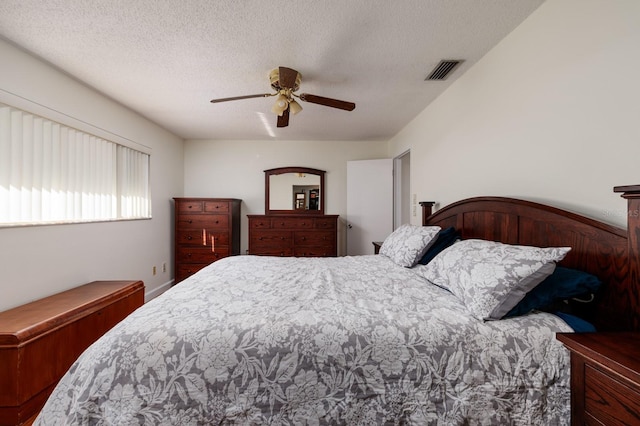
154, 270
415, 199
164, 267
414, 210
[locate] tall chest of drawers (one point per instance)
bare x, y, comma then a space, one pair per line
206, 229
293, 235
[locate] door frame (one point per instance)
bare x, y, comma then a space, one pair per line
402, 189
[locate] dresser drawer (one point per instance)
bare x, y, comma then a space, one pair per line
201, 221
188, 254
216, 206
314, 238
609, 400
275, 239
189, 207
325, 223
292, 223
198, 237
259, 223
185, 270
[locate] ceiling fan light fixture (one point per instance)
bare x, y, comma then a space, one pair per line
280, 105
295, 107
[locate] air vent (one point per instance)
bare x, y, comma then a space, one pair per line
443, 69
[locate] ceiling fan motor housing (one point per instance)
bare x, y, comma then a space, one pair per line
285, 78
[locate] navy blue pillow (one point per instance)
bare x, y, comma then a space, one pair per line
445, 238
564, 283
577, 324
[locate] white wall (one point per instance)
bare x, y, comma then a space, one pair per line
235, 169
551, 114
43, 260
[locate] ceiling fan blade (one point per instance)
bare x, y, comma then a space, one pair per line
333, 103
287, 77
236, 98
283, 120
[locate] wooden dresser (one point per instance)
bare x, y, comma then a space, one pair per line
293, 235
206, 229
605, 377
40, 340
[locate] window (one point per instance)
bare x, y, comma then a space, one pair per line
54, 173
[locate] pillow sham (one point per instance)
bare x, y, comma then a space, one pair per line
490, 278
445, 238
564, 283
408, 243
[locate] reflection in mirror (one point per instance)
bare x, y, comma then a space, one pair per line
294, 190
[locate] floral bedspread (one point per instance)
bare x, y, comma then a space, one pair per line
308, 341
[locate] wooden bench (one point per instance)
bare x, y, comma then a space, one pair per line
40, 340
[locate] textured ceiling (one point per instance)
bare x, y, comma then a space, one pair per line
166, 59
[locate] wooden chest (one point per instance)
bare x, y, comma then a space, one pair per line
40, 340
293, 235
206, 229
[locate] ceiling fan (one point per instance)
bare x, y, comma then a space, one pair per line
286, 81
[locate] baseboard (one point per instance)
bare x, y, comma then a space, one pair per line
158, 291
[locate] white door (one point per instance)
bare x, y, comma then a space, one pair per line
369, 204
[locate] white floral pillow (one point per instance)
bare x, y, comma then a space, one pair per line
490, 278
408, 243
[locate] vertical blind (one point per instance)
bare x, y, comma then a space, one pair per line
52, 173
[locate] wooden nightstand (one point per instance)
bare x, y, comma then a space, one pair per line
605, 377
376, 246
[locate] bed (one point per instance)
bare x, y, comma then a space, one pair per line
360, 340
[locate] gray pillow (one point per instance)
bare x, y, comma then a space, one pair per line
408, 243
490, 278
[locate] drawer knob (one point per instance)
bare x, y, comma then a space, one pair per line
190, 221
189, 237
217, 221
190, 206
260, 238
304, 238
188, 254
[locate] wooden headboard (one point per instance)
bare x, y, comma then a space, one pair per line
609, 252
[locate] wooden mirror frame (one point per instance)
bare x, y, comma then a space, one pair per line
281, 170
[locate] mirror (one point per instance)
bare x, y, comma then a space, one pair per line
294, 190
